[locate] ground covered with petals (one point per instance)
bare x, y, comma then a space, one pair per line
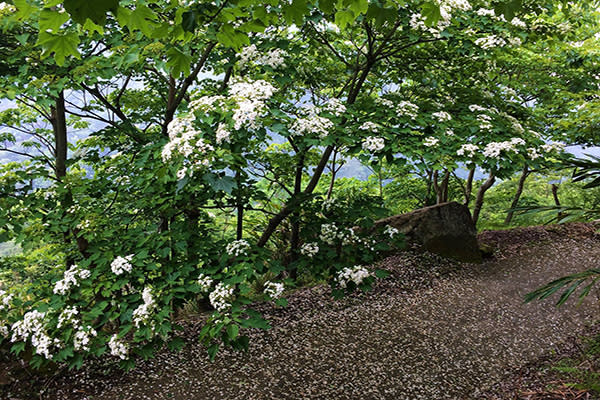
434, 329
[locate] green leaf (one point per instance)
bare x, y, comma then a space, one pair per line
232, 331
24, 9
212, 351
381, 274
188, 21
431, 12
359, 6
224, 183
178, 62
281, 302
142, 19
52, 20
61, 46
176, 344
343, 18
327, 6
95, 10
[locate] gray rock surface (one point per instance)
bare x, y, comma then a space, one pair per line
445, 229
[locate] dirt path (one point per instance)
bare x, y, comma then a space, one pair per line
440, 338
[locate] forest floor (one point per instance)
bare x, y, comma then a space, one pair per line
434, 329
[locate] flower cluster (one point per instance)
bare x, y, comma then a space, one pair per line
442, 116
390, 231
83, 337
205, 282
238, 248
6, 8
309, 249
223, 135
250, 98
70, 279
221, 297
118, 348
206, 103
5, 299
356, 274
549, 147
369, 126
143, 313
68, 316
490, 41
408, 109
493, 149
329, 205
477, 108
312, 124
331, 234
373, 144
273, 58
334, 106
182, 138
468, 150
121, 265
431, 141
32, 327
485, 122
384, 102
273, 289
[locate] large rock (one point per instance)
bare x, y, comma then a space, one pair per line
445, 229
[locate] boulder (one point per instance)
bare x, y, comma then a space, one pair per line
445, 229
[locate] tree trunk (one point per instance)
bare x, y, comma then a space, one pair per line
59, 126
441, 189
295, 240
333, 174
518, 193
240, 207
560, 215
480, 195
469, 186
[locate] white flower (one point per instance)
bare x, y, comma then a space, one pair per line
70, 279
309, 249
223, 135
489, 42
32, 327
390, 231
369, 126
384, 102
431, 141
205, 282
485, 123
467, 149
408, 109
221, 297
143, 313
118, 348
5, 299
273, 290
478, 108
442, 116
356, 274
273, 58
518, 23
121, 265
533, 153
238, 248
332, 235
68, 316
373, 144
493, 149
83, 337
182, 173
313, 124
335, 107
